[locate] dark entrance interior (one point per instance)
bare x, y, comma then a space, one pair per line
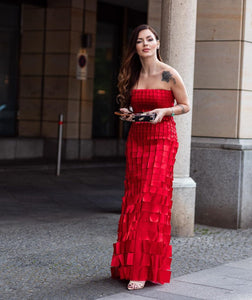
114, 24
9, 49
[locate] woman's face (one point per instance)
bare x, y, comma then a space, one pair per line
146, 44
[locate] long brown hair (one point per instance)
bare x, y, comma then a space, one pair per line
131, 66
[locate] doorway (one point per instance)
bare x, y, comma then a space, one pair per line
9, 51
114, 24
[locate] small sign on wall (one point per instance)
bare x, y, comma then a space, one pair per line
82, 59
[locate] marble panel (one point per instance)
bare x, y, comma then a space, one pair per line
86, 149
58, 18
76, 19
71, 150
57, 42
57, 64
31, 64
217, 173
215, 19
30, 87
215, 113
154, 14
50, 129
71, 131
29, 128
245, 120
246, 203
29, 109
59, 3
87, 89
7, 149
75, 42
246, 75
86, 111
32, 42
248, 21
33, 19
217, 65
91, 67
90, 21
29, 148
86, 131
73, 111
56, 87
53, 108
74, 88
91, 5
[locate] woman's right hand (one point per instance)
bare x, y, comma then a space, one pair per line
128, 114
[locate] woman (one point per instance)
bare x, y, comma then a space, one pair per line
143, 251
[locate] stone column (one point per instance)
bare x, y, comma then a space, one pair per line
178, 27
222, 123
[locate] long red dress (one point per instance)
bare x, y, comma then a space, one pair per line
143, 251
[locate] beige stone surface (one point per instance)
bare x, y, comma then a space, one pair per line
76, 19
90, 21
72, 65
32, 42
154, 14
91, 5
31, 64
30, 87
248, 21
33, 19
245, 126
217, 65
73, 111
29, 128
86, 131
247, 66
57, 64
71, 130
74, 88
75, 41
57, 42
58, 18
86, 111
53, 108
87, 90
29, 109
79, 3
215, 113
50, 129
219, 19
59, 3
56, 87
91, 67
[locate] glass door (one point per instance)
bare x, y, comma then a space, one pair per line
9, 45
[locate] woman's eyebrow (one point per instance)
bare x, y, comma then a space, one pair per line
146, 37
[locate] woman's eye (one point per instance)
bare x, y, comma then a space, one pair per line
150, 40
138, 42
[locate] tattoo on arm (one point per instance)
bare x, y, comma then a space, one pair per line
182, 108
167, 76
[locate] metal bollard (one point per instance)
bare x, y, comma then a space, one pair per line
59, 143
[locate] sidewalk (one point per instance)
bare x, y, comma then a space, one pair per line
226, 282
56, 236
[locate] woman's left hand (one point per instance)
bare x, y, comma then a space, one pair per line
161, 112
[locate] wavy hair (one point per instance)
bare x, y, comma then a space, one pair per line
131, 67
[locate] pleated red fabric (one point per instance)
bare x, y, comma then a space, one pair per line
143, 251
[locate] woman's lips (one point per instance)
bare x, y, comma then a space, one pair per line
146, 50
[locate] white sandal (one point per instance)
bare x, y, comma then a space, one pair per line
135, 285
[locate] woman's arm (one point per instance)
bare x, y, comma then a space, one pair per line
180, 94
